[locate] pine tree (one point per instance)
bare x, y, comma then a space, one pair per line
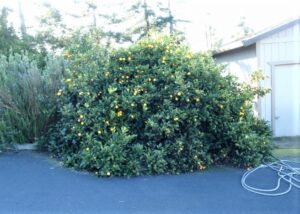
167, 20
22, 20
243, 29
9, 41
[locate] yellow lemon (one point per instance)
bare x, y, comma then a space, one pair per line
119, 113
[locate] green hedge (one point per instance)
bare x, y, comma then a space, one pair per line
152, 108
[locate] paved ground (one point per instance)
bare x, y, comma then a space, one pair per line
32, 183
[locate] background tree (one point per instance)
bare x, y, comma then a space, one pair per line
167, 19
9, 41
51, 29
212, 40
155, 17
145, 16
243, 29
22, 20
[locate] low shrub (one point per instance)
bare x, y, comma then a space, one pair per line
27, 98
151, 108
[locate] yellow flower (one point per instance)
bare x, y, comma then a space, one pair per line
81, 93
242, 113
67, 54
179, 93
201, 167
87, 149
129, 58
176, 119
59, 93
79, 134
145, 108
82, 123
113, 129
221, 106
99, 132
108, 173
197, 99
119, 113
68, 80
81, 116
106, 73
188, 56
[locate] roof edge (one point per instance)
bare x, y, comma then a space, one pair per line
253, 39
262, 35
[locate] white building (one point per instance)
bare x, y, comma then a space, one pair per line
276, 52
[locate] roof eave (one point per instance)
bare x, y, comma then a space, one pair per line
263, 35
252, 40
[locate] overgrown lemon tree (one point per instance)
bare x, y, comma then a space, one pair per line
152, 108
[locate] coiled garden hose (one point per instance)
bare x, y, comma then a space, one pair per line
287, 171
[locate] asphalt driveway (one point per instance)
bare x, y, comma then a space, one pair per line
31, 182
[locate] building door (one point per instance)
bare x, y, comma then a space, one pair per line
286, 100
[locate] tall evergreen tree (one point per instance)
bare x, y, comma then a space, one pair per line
22, 20
167, 20
243, 29
51, 30
9, 41
144, 19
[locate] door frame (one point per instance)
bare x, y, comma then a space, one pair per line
273, 65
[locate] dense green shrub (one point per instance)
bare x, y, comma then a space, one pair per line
27, 98
154, 107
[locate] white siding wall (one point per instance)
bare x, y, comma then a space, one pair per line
240, 62
282, 46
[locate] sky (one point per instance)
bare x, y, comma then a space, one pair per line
223, 15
